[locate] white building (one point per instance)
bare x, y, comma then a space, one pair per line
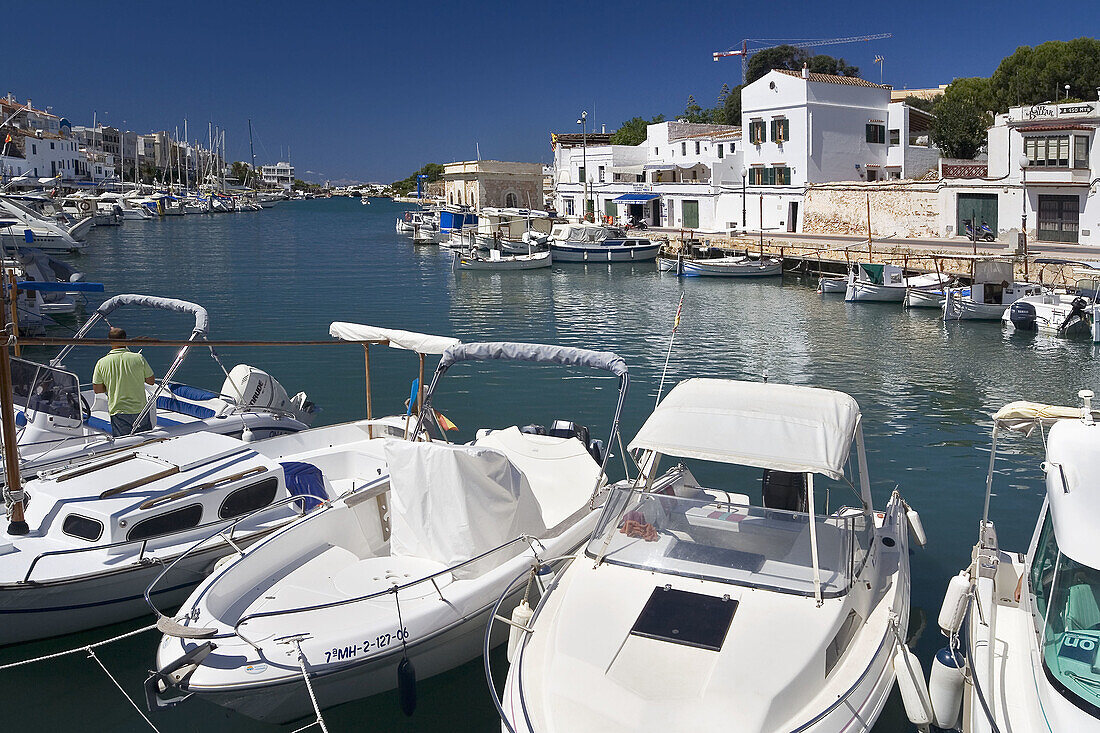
805, 128
1051, 148
674, 179
281, 174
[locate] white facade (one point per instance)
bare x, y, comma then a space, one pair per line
1052, 148
281, 174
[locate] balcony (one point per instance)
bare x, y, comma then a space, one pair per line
1057, 175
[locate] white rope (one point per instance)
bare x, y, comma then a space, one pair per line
87, 648
320, 722
91, 654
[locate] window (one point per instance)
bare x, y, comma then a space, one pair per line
248, 499
656, 152
173, 521
782, 175
876, 133
683, 148
781, 130
82, 527
569, 210
610, 208
510, 200
1080, 151
34, 150
51, 146
872, 174
600, 171
756, 132
696, 147
580, 174
1048, 151
895, 137
756, 176
721, 153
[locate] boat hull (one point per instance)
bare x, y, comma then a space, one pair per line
915, 298
832, 285
603, 253
750, 268
860, 291
519, 262
958, 307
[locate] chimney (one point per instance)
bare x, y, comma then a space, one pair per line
805, 72
29, 103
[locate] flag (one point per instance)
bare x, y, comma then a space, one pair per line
443, 421
679, 308
7, 138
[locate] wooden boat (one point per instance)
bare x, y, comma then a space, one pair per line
733, 267
496, 261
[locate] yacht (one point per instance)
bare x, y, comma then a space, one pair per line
29, 227
1023, 625
694, 607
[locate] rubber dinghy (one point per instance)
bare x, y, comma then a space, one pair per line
402, 570
693, 609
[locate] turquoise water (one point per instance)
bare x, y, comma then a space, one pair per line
925, 390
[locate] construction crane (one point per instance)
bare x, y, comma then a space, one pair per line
744, 52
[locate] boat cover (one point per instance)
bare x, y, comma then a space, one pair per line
543, 353
1023, 416
994, 271
777, 426
202, 319
421, 343
451, 503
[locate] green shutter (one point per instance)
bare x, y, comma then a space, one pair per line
774, 135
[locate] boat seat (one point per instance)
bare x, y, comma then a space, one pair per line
785, 490
307, 481
1082, 610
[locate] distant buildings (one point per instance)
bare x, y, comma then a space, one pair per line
281, 174
493, 183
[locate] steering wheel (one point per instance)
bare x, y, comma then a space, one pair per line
85, 408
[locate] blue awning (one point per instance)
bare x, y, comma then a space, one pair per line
636, 198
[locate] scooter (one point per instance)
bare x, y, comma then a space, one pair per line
985, 234
635, 223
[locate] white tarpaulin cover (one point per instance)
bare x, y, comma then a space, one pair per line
993, 271
1025, 416
450, 503
421, 343
778, 426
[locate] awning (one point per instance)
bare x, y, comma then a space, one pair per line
777, 426
629, 169
409, 340
659, 167
636, 198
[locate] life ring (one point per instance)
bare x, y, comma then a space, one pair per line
84, 206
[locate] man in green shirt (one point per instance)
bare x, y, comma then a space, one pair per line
123, 374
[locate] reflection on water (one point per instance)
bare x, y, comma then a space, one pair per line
926, 389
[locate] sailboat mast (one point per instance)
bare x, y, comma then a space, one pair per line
251, 150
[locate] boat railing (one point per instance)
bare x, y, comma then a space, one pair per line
964, 631
394, 589
75, 550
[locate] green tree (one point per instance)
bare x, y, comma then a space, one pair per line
731, 106
241, 171
961, 117
633, 131
693, 112
792, 58
1038, 74
921, 103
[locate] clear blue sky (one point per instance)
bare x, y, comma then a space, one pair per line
371, 90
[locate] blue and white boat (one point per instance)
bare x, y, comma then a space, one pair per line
598, 243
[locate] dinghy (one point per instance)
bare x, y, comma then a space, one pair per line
533, 261
398, 572
692, 608
733, 267
1023, 626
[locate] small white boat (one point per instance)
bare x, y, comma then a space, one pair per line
398, 571
993, 291
20, 223
693, 609
496, 261
364, 201
733, 267
599, 243
886, 283
925, 298
1023, 626
829, 284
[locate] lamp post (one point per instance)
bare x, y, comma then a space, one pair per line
744, 175
584, 160
1023, 211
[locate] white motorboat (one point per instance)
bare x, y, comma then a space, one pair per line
404, 224
131, 210
399, 571
1069, 311
693, 609
60, 423
365, 201
993, 291
1023, 626
887, 283
599, 243
496, 261
733, 267
24, 225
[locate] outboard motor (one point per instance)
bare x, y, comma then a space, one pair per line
1078, 312
255, 388
1022, 315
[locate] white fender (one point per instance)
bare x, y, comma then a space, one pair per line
521, 615
221, 562
954, 603
916, 528
914, 693
945, 689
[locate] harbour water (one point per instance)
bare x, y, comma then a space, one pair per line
926, 391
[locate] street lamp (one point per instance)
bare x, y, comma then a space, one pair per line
744, 175
1067, 91
1023, 211
584, 160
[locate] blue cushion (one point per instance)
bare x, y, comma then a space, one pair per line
98, 423
188, 392
171, 404
307, 481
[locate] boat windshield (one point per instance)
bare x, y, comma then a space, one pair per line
709, 536
41, 388
1067, 599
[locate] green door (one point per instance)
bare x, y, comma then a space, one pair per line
691, 214
1058, 218
978, 206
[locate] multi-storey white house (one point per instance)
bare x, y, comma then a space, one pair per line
806, 128
281, 174
1043, 167
674, 179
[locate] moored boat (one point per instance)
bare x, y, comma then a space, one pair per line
732, 267
496, 261
598, 243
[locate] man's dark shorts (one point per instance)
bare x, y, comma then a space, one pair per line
123, 424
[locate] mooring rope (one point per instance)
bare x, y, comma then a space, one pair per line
320, 722
85, 648
91, 653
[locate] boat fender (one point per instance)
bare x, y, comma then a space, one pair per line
954, 603
945, 689
914, 693
521, 616
406, 686
246, 435
916, 528
85, 206
221, 562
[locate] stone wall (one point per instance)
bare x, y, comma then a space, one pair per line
898, 209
